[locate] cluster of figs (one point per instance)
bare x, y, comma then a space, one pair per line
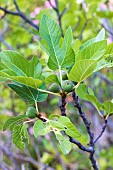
66, 87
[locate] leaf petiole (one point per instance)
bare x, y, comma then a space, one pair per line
49, 92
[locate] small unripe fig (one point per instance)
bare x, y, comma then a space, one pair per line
64, 75
54, 88
67, 85
31, 112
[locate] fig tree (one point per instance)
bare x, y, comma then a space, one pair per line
31, 112
67, 85
54, 88
64, 75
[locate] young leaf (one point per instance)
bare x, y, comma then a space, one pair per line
51, 33
99, 37
54, 116
81, 91
76, 46
68, 53
70, 129
17, 63
104, 63
40, 128
28, 81
18, 136
56, 125
95, 102
64, 142
30, 94
94, 51
11, 122
108, 107
52, 79
109, 49
82, 69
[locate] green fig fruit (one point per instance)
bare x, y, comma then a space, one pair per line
64, 75
54, 88
31, 112
67, 85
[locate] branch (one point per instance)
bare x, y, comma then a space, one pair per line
22, 158
80, 146
88, 128
5, 43
62, 105
59, 15
102, 131
82, 115
83, 28
17, 157
20, 14
104, 78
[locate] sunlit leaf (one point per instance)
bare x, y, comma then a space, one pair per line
82, 69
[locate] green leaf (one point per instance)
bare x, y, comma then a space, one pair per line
11, 122
18, 136
54, 116
51, 33
17, 63
94, 51
109, 49
68, 53
104, 63
99, 37
30, 94
95, 102
82, 69
81, 91
76, 46
25, 132
40, 128
43, 47
52, 79
64, 142
108, 107
69, 59
90, 91
29, 81
70, 129
56, 125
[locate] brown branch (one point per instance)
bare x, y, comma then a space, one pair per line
20, 14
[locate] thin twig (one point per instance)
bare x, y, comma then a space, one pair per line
104, 78
59, 15
102, 131
82, 30
20, 14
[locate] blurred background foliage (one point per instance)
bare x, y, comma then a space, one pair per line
86, 18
